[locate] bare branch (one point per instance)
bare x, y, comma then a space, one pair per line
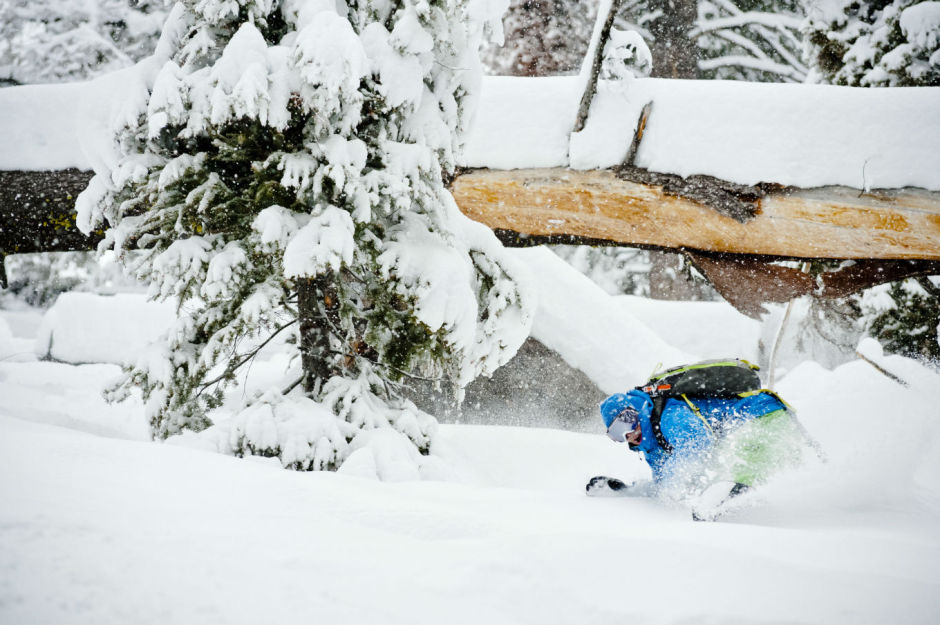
591, 87
740, 40
752, 63
881, 369
751, 18
772, 37
628, 161
929, 286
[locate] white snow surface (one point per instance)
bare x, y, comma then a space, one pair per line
100, 525
613, 334
794, 134
89, 328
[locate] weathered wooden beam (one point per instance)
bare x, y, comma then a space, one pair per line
832, 222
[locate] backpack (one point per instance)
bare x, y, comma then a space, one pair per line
723, 379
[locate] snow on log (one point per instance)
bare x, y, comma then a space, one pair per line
747, 133
795, 135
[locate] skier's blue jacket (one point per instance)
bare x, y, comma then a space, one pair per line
688, 433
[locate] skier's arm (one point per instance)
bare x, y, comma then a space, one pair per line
690, 438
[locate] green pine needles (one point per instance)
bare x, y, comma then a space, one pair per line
880, 43
283, 182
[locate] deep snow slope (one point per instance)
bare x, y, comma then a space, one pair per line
105, 530
99, 525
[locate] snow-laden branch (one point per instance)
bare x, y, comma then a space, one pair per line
764, 65
785, 50
622, 24
795, 70
728, 6
773, 20
107, 43
744, 42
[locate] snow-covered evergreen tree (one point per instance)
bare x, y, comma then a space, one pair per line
285, 175
874, 44
615, 269
64, 40
905, 317
38, 279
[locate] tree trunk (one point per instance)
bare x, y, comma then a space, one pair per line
564, 205
318, 308
675, 54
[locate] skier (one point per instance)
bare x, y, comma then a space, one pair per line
718, 447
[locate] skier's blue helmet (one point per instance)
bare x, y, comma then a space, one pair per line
613, 406
616, 404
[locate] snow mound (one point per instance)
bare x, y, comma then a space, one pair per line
590, 329
6, 339
881, 440
719, 330
90, 328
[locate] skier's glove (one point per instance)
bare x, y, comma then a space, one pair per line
603, 486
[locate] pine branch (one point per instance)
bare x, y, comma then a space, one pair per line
931, 288
751, 63
751, 18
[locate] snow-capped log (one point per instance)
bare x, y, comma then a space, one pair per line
887, 236
755, 170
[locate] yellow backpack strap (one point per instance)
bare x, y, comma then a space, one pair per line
698, 413
769, 392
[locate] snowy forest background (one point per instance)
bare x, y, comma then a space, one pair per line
416, 309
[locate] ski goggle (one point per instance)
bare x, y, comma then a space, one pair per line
623, 424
